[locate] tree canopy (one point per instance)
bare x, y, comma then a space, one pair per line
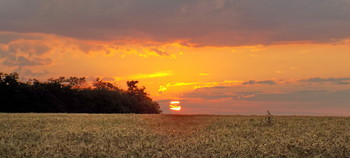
72, 95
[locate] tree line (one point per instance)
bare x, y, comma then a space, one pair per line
72, 95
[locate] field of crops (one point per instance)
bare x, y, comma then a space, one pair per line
87, 135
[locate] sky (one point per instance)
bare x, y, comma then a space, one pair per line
214, 56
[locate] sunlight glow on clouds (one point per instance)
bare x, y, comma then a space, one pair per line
153, 75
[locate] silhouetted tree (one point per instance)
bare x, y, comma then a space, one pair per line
144, 104
72, 95
100, 84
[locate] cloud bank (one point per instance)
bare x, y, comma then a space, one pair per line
200, 22
24, 54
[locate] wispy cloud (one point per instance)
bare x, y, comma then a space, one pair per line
203, 74
199, 85
160, 52
254, 82
151, 75
162, 89
297, 101
344, 80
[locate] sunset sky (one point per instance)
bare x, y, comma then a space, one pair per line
214, 56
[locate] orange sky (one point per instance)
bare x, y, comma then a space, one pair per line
216, 57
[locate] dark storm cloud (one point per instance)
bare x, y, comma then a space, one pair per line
201, 22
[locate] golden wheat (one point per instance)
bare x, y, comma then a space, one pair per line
128, 135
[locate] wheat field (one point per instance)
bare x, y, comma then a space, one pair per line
131, 135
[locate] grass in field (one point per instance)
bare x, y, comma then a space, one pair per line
86, 135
